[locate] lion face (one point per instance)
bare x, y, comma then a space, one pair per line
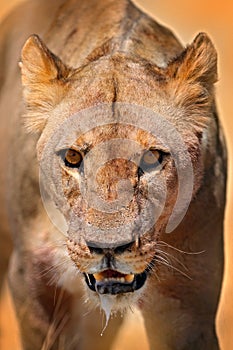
120, 155
115, 255
113, 192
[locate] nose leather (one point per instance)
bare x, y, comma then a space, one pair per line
108, 260
116, 250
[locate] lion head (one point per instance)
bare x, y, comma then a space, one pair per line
121, 155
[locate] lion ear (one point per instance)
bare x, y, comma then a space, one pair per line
44, 81
193, 73
198, 63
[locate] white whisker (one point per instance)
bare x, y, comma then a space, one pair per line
162, 243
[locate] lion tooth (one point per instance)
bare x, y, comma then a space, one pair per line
129, 278
98, 277
88, 278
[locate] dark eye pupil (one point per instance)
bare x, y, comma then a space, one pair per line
150, 160
72, 158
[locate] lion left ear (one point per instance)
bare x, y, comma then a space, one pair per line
198, 63
43, 79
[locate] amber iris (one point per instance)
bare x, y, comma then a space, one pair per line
151, 159
73, 158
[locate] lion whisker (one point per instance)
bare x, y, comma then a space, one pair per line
172, 257
162, 243
168, 264
59, 319
53, 268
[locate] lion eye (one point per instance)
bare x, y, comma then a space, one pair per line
151, 159
72, 158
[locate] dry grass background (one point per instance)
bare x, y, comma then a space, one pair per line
186, 18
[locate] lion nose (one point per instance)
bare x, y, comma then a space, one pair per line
109, 251
109, 255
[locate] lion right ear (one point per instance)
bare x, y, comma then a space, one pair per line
44, 80
198, 63
193, 73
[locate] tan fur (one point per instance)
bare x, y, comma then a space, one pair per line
106, 52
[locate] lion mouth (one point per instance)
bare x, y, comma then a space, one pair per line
114, 282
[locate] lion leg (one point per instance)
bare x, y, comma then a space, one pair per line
169, 327
52, 319
35, 305
182, 316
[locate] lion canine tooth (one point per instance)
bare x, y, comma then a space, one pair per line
98, 276
88, 278
129, 278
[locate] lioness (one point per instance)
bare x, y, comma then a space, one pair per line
113, 176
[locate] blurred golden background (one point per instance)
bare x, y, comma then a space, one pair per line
186, 19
